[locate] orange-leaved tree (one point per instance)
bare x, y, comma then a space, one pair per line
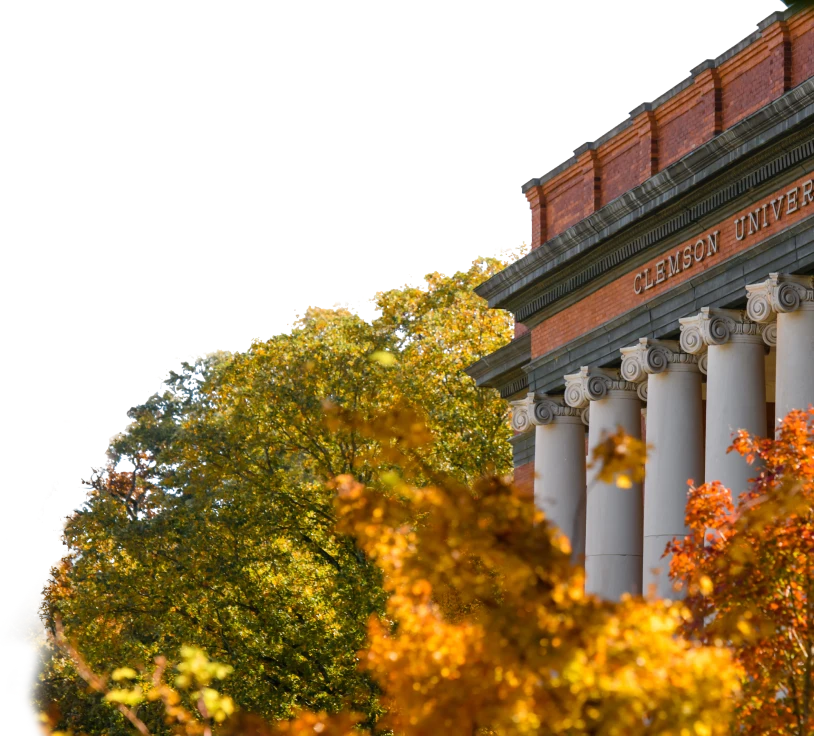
748, 570
487, 629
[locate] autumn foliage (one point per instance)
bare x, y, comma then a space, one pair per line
318, 536
487, 630
747, 571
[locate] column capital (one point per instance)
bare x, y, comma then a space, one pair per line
521, 414
593, 384
778, 294
653, 356
717, 327
549, 409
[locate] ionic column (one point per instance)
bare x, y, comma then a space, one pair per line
559, 467
675, 434
736, 387
613, 524
790, 301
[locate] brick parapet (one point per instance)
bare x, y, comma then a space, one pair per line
720, 93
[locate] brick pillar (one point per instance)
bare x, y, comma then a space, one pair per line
646, 127
588, 162
778, 41
539, 226
710, 99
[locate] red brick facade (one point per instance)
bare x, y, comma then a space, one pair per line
716, 99
524, 481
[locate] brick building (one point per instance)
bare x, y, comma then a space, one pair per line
668, 291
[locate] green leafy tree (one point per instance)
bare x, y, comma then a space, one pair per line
213, 524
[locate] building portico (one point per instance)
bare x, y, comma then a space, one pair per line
678, 306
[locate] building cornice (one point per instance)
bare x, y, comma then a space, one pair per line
503, 369
547, 273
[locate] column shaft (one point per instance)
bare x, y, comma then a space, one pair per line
675, 433
736, 399
559, 477
613, 528
795, 360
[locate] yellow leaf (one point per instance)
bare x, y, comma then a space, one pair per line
123, 673
623, 481
382, 357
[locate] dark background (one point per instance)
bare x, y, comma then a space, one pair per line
147, 227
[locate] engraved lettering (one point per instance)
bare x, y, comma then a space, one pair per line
712, 244
754, 222
791, 198
660, 272
673, 265
763, 215
739, 234
777, 206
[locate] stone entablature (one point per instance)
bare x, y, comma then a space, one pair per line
658, 317
618, 297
